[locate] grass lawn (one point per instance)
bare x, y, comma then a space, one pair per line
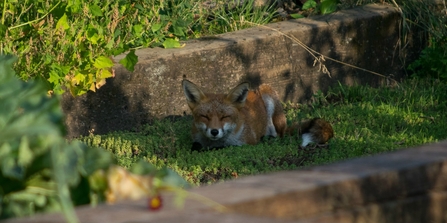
366, 121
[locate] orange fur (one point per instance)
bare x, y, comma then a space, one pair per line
241, 117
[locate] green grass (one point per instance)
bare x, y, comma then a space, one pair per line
366, 121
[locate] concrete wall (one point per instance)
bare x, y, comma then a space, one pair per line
367, 37
408, 186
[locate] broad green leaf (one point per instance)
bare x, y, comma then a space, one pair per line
172, 179
139, 7
11, 170
129, 61
62, 23
117, 33
137, 30
155, 27
92, 35
171, 43
95, 159
309, 4
54, 77
296, 16
179, 26
110, 44
328, 6
118, 51
178, 31
78, 78
98, 179
104, 73
95, 10
143, 168
74, 5
25, 153
103, 62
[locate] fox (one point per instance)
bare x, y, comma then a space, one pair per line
245, 116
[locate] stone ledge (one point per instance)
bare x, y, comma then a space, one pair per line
367, 37
404, 186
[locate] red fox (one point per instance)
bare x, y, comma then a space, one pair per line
244, 116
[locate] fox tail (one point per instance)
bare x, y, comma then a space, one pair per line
314, 130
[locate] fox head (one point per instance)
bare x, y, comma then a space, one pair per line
215, 115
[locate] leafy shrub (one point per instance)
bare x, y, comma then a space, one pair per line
39, 169
69, 43
41, 172
432, 62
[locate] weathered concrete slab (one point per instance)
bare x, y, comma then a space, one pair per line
404, 186
366, 37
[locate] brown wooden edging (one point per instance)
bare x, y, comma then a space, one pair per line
408, 186
367, 37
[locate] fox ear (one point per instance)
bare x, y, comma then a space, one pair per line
238, 95
192, 93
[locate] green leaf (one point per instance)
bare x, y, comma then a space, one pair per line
103, 62
92, 35
62, 23
296, 16
137, 30
155, 27
95, 159
74, 5
172, 179
143, 168
110, 44
179, 26
171, 43
95, 10
78, 78
25, 153
129, 61
105, 73
309, 4
328, 6
178, 31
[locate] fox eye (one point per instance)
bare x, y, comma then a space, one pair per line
204, 116
224, 117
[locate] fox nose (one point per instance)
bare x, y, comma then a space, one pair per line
214, 132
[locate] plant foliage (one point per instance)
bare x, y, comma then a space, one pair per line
432, 62
323, 7
40, 171
70, 43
